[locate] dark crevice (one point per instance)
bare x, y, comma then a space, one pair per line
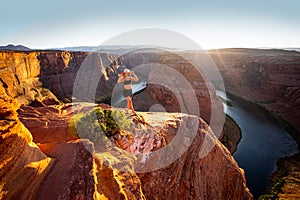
17, 78
3, 83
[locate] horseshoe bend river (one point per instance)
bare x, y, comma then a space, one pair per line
263, 142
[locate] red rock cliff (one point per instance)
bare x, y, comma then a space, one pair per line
59, 168
270, 78
40, 77
121, 171
68, 167
22, 165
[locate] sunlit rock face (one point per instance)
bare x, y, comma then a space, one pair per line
122, 171
60, 166
42, 78
22, 165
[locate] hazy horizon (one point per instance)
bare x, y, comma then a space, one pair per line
132, 46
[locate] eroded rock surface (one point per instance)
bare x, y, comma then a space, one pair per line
270, 78
204, 170
22, 165
43, 78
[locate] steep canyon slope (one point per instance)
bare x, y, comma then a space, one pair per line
270, 78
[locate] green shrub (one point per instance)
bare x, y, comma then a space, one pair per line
98, 124
277, 184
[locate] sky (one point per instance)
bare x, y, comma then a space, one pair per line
210, 23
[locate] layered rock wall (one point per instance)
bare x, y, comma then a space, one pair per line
44, 77
270, 78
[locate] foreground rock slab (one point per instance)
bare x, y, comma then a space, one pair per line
204, 169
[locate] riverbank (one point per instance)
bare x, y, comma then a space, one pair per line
285, 180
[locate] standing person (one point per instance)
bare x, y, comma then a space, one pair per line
126, 77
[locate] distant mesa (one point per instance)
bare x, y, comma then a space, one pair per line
15, 48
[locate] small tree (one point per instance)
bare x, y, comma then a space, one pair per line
98, 124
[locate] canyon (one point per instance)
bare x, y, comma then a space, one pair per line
41, 153
270, 79
41, 78
43, 83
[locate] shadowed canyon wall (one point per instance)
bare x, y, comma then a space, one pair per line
270, 78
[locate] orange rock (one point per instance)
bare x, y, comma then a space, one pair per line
72, 176
22, 165
48, 124
204, 170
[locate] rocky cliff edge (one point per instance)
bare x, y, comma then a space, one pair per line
72, 168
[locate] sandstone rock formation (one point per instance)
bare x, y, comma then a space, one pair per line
22, 165
177, 85
72, 176
47, 124
232, 134
290, 167
19, 72
179, 176
38, 77
57, 169
269, 78
214, 176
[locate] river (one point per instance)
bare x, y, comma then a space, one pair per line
263, 142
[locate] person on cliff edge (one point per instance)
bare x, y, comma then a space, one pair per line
126, 77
